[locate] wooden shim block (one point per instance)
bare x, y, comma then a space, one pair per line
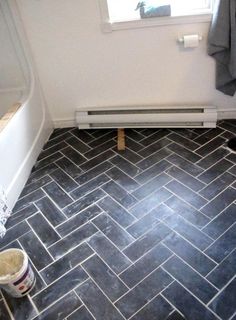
121, 139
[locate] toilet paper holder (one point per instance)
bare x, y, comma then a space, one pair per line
181, 39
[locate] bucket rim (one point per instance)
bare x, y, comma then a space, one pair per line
16, 275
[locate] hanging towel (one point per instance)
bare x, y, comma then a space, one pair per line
222, 45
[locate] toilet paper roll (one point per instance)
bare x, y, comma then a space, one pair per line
191, 41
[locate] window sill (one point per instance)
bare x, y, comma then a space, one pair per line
153, 22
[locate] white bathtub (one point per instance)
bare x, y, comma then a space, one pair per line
23, 136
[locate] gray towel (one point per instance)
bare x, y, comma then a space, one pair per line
222, 45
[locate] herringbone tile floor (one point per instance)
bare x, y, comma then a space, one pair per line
148, 233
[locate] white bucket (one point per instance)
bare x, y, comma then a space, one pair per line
16, 275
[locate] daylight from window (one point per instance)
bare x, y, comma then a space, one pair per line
124, 10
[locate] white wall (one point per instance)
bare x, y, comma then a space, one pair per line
81, 66
11, 73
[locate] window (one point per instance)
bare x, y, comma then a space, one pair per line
122, 14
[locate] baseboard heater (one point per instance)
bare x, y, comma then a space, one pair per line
146, 117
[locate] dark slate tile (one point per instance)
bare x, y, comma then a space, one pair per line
147, 242
217, 186
59, 132
186, 194
75, 238
208, 136
223, 246
89, 186
213, 158
21, 309
152, 172
189, 144
73, 155
78, 145
14, 233
190, 279
150, 202
224, 303
64, 181
114, 258
151, 219
229, 127
155, 137
150, 186
35, 185
189, 254
27, 200
113, 231
56, 193
81, 314
53, 149
82, 135
132, 145
66, 263
148, 263
218, 204
117, 212
99, 149
154, 147
148, 131
210, 146
58, 136
134, 134
224, 272
122, 179
39, 284
187, 133
215, 171
125, 166
34, 176
143, 292
105, 278
119, 194
98, 133
186, 303
21, 215
153, 159
106, 136
185, 153
35, 250
69, 167
4, 314
188, 231
185, 165
47, 161
231, 157
83, 203
158, 308
129, 155
61, 308
233, 170
78, 220
59, 288
187, 212
175, 316
221, 223
185, 178
97, 302
97, 160
93, 173
43, 229
50, 211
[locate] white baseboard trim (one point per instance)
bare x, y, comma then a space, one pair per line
226, 114
64, 123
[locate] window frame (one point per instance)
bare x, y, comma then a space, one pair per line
109, 26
